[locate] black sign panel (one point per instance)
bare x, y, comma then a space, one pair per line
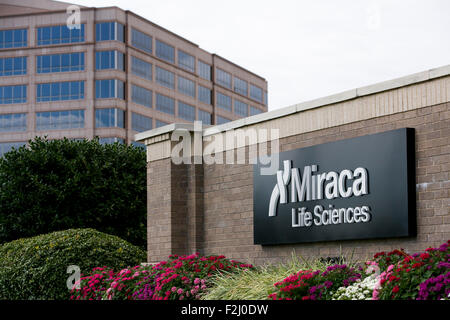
360, 188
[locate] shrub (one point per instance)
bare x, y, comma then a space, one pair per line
181, 277
421, 276
36, 268
64, 184
315, 285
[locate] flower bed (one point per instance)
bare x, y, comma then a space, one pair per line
394, 275
421, 276
315, 285
389, 275
178, 278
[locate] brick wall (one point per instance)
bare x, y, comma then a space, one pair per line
228, 193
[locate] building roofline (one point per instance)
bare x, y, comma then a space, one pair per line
312, 104
46, 12
238, 66
157, 26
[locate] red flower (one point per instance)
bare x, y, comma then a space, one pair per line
407, 259
424, 256
395, 289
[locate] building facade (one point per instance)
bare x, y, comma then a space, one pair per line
115, 75
212, 208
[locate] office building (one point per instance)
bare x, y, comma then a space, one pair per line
111, 76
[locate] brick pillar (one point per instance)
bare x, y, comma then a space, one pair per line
175, 203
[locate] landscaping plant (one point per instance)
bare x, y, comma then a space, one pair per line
178, 278
421, 276
64, 184
315, 284
36, 268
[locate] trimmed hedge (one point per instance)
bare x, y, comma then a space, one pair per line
65, 184
36, 268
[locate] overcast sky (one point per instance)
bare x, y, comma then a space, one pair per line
309, 49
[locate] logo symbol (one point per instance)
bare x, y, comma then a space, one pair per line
279, 192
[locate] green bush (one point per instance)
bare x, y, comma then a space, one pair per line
64, 184
36, 268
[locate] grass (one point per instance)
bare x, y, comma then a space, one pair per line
257, 284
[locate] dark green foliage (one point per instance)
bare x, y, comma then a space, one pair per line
36, 268
62, 184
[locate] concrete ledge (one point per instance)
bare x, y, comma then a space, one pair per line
392, 84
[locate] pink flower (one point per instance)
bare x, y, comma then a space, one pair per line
174, 289
124, 271
375, 295
180, 291
389, 269
196, 281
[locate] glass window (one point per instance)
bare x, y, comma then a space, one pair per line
254, 111
16, 38
240, 108
165, 104
109, 60
106, 31
221, 120
186, 61
56, 91
60, 62
141, 68
110, 140
204, 117
8, 146
13, 66
240, 86
160, 123
186, 86
165, 51
13, 122
204, 70
256, 93
109, 88
140, 123
108, 118
265, 98
186, 111
223, 78
13, 94
59, 34
59, 120
141, 96
204, 94
165, 78
223, 101
141, 41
